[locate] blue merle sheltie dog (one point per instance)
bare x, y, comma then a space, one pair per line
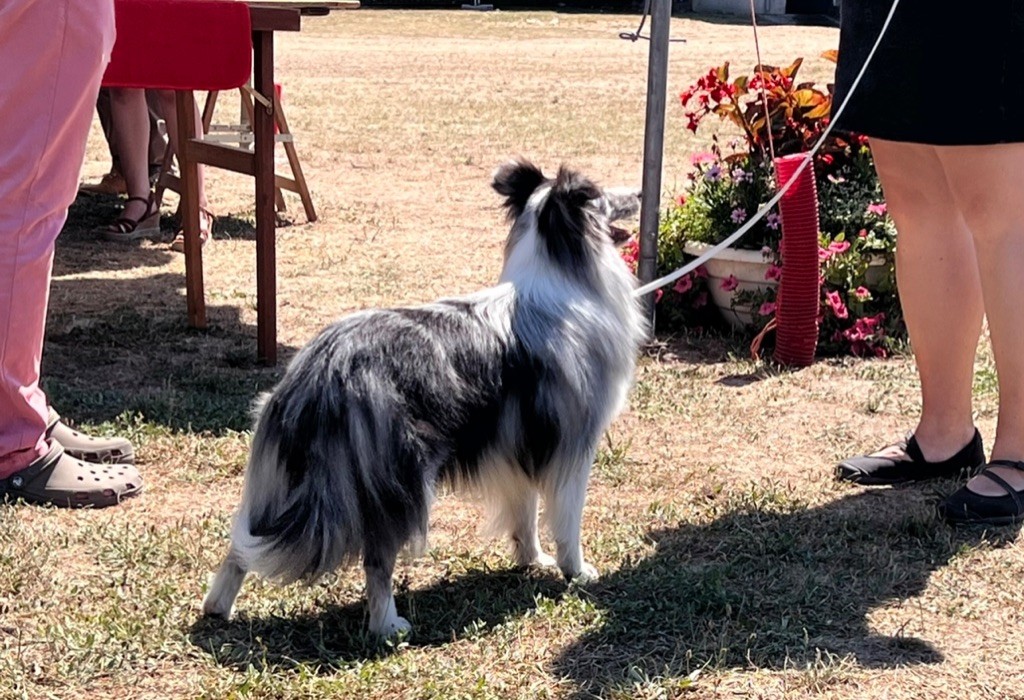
507, 392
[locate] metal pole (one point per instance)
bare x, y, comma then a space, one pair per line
654, 140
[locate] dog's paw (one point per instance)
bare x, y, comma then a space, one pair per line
586, 574
212, 607
544, 561
394, 628
538, 560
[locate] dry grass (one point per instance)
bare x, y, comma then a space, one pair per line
733, 566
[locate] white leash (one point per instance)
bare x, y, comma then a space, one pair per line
763, 211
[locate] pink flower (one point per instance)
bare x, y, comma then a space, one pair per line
738, 215
774, 272
865, 334
705, 157
863, 233
658, 295
684, 284
767, 308
730, 283
877, 209
862, 293
701, 272
772, 221
824, 254
838, 247
836, 303
680, 200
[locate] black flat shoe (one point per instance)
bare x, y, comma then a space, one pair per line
904, 463
965, 507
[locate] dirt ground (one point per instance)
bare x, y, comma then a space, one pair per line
732, 564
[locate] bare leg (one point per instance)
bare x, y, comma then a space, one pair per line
985, 182
170, 115
130, 120
940, 292
224, 589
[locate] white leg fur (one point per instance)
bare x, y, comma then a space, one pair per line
564, 500
220, 599
521, 513
384, 619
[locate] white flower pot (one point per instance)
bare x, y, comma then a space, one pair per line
747, 266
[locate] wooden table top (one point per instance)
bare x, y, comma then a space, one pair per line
311, 7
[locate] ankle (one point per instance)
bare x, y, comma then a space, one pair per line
940, 442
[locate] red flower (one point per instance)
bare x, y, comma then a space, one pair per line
684, 284
730, 283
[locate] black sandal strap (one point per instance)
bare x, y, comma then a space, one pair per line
1001, 482
1019, 466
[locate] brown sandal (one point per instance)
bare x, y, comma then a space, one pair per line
178, 244
59, 479
115, 450
125, 229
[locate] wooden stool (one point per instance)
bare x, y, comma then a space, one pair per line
242, 134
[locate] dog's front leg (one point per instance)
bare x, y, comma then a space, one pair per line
565, 496
384, 620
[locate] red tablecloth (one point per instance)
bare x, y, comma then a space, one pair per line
181, 45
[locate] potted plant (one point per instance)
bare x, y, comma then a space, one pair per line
727, 185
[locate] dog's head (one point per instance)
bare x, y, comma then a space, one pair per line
571, 218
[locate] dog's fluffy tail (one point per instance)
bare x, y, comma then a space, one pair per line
299, 517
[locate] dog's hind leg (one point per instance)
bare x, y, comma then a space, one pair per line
379, 567
226, 584
519, 511
565, 494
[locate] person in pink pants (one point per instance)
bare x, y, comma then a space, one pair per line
54, 53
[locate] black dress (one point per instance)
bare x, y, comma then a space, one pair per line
945, 74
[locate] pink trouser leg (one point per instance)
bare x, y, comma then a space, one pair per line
54, 53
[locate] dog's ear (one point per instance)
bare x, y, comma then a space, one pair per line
562, 222
517, 180
573, 189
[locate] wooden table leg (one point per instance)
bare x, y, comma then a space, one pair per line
263, 138
185, 105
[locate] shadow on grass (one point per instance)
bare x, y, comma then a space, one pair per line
454, 609
756, 588
118, 348
143, 359
766, 588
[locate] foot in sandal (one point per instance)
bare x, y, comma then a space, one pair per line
145, 223
99, 450
205, 232
59, 479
